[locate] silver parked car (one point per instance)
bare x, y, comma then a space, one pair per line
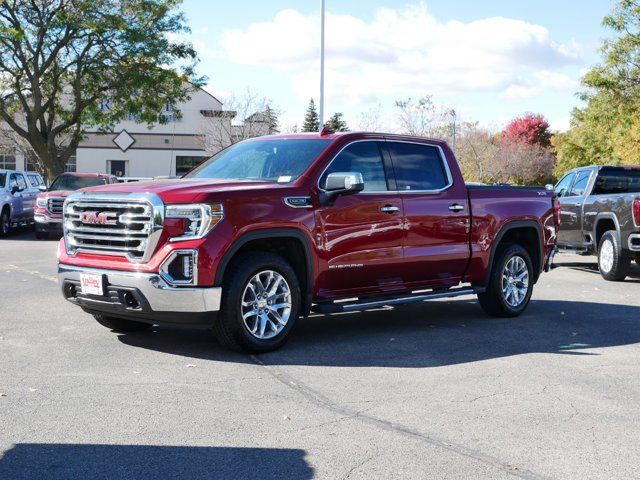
18, 192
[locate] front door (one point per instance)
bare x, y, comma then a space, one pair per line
436, 210
360, 236
571, 203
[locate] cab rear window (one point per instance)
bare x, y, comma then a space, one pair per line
617, 181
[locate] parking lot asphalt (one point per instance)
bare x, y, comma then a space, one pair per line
433, 390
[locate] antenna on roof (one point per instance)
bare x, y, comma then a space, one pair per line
327, 130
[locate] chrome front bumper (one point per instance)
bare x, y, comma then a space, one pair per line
155, 294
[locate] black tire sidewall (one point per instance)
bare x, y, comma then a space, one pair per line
232, 314
5, 220
506, 254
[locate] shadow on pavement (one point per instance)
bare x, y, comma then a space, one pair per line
141, 462
592, 267
431, 334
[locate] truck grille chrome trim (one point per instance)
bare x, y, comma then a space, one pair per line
125, 224
55, 205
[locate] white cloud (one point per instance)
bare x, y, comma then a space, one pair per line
407, 52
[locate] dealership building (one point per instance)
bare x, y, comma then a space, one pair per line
133, 149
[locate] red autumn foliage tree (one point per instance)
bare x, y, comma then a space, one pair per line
530, 128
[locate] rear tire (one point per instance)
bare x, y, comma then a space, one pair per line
510, 284
263, 283
612, 264
120, 325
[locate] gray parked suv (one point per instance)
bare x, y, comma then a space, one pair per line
600, 214
18, 192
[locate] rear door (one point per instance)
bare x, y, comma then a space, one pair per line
436, 210
361, 235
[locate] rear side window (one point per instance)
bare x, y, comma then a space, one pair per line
34, 180
617, 181
418, 167
364, 158
580, 185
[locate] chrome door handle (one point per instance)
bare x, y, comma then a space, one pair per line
456, 207
389, 209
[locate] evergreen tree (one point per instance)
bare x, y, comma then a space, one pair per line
337, 124
311, 120
272, 118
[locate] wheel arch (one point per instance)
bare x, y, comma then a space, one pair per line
523, 232
265, 240
600, 226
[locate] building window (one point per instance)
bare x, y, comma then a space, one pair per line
71, 164
7, 161
184, 163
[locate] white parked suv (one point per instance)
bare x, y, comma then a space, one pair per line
18, 192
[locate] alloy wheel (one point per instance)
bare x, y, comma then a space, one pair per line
515, 281
606, 256
266, 304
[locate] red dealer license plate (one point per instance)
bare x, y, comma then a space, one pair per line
91, 284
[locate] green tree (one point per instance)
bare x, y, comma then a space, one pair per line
607, 129
311, 120
337, 124
66, 65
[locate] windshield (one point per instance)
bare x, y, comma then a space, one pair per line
70, 182
282, 160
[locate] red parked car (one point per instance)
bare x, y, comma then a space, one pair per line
48, 211
274, 227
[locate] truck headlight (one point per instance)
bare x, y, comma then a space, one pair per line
199, 219
41, 203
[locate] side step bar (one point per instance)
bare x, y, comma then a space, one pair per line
370, 303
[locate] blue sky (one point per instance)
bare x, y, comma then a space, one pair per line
490, 60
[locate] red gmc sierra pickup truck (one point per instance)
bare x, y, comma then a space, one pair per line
275, 227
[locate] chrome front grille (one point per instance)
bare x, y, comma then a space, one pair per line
54, 205
125, 225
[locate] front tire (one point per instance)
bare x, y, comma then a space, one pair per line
260, 304
511, 283
5, 223
121, 325
612, 264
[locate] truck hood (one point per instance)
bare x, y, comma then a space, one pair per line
190, 190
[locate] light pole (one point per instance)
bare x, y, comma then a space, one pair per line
321, 64
453, 114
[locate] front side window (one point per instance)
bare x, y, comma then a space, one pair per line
562, 188
364, 158
275, 160
580, 185
70, 182
17, 179
418, 167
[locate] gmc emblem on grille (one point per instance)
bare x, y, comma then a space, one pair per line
99, 218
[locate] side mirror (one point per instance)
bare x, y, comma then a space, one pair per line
549, 186
341, 183
42, 188
15, 189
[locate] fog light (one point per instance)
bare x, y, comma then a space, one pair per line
181, 268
